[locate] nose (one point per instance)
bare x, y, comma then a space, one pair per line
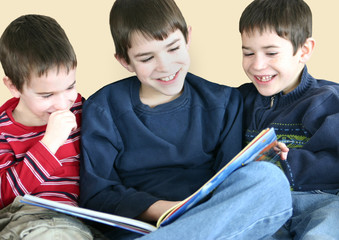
163, 63
61, 102
259, 63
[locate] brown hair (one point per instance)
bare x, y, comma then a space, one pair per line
155, 19
290, 19
32, 44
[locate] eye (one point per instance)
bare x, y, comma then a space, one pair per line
47, 96
272, 53
71, 87
248, 54
147, 59
174, 49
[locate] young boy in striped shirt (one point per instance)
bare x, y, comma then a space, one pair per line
40, 130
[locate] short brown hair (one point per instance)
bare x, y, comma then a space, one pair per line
290, 19
32, 44
155, 19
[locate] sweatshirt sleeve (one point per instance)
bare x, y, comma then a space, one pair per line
231, 132
101, 188
316, 164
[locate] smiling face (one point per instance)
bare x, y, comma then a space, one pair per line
160, 65
269, 62
44, 95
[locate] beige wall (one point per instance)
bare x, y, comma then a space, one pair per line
215, 49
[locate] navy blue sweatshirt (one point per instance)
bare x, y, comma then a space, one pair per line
134, 155
307, 121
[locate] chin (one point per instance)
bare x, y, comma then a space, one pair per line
266, 93
44, 119
175, 92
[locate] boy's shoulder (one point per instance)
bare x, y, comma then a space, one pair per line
5, 119
326, 85
118, 85
9, 104
211, 95
210, 90
323, 93
202, 82
117, 89
115, 97
320, 87
249, 93
246, 88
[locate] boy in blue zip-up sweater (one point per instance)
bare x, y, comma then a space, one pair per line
277, 43
153, 139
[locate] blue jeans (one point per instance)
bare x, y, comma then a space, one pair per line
315, 217
252, 203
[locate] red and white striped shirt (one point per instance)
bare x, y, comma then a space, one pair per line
28, 167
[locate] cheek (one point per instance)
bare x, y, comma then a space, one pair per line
144, 71
72, 95
40, 107
188, 60
245, 64
184, 57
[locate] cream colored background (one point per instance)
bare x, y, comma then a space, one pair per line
215, 49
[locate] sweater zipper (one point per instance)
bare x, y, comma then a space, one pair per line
272, 100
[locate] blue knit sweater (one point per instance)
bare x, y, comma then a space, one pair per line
307, 121
134, 155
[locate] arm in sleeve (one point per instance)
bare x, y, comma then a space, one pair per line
231, 132
315, 166
101, 188
21, 175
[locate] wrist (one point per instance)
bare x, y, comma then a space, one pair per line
52, 147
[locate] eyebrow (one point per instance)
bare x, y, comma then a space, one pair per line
44, 93
149, 53
265, 47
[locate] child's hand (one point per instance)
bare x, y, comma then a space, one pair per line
154, 212
282, 150
59, 126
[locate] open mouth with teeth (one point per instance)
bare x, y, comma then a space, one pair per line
169, 78
264, 78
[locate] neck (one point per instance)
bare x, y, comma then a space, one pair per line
21, 116
154, 98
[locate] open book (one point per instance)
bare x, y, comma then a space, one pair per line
259, 149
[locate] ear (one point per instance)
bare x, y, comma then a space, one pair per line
189, 36
123, 63
9, 84
307, 50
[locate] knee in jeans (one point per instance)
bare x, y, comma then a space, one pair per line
270, 172
273, 179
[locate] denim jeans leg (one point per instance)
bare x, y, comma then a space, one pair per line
315, 216
252, 203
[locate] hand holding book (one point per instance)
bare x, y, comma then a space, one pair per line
281, 150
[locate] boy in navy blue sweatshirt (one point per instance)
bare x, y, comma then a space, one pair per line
151, 140
277, 42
